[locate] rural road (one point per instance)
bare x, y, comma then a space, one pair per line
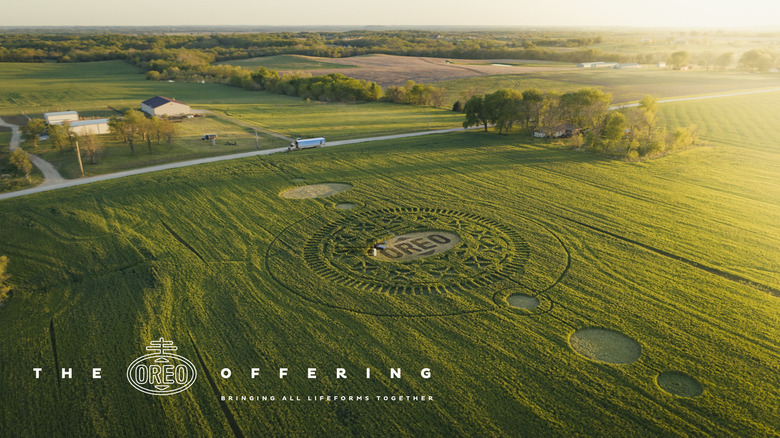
91, 179
50, 175
57, 182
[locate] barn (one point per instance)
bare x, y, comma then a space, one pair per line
96, 126
163, 106
60, 117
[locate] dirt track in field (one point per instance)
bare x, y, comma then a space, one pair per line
388, 70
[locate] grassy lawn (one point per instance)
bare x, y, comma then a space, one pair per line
187, 145
286, 62
297, 118
213, 258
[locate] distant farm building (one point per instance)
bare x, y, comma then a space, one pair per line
96, 126
62, 116
661, 65
598, 64
162, 106
628, 66
563, 131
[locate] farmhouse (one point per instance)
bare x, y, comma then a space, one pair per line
96, 126
62, 116
597, 64
628, 66
565, 130
162, 106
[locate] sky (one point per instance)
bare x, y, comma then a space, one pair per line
579, 13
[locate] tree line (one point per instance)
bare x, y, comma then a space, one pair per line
581, 118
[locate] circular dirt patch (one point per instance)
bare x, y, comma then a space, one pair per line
605, 345
522, 301
345, 206
315, 191
680, 384
413, 246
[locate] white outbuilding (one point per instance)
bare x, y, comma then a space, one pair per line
96, 126
163, 106
60, 117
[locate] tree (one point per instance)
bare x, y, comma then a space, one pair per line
21, 161
5, 288
533, 99
756, 60
457, 107
724, 60
128, 128
586, 108
649, 106
168, 130
614, 126
33, 130
503, 107
58, 135
550, 114
476, 112
679, 59
91, 147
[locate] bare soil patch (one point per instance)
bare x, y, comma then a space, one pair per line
604, 345
522, 301
345, 206
679, 384
396, 70
315, 191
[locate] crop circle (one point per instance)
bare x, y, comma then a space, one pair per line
408, 261
523, 301
604, 345
344, 206
679, 384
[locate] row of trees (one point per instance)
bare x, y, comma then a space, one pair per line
756, 60
628, 132
134, 127
5, 287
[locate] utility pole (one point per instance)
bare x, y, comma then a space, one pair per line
78, 154
257, 141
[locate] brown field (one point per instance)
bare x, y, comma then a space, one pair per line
396, 70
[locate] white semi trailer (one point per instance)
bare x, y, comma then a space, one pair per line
306, 143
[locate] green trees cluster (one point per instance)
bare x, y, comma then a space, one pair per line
135, 127
5, 287
416, 94
583, 118
334, 87
757, 60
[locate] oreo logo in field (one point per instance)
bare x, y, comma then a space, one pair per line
162, 372
413, 246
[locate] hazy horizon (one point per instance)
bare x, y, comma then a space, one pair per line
404, 13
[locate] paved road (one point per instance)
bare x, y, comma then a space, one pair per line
88, 180
50, 175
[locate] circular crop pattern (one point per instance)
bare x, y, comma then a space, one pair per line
605, 345
467, 251
522, 301
414, 261
679, 384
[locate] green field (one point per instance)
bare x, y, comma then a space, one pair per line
95, 88
213, 258
625, 85
285, 62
